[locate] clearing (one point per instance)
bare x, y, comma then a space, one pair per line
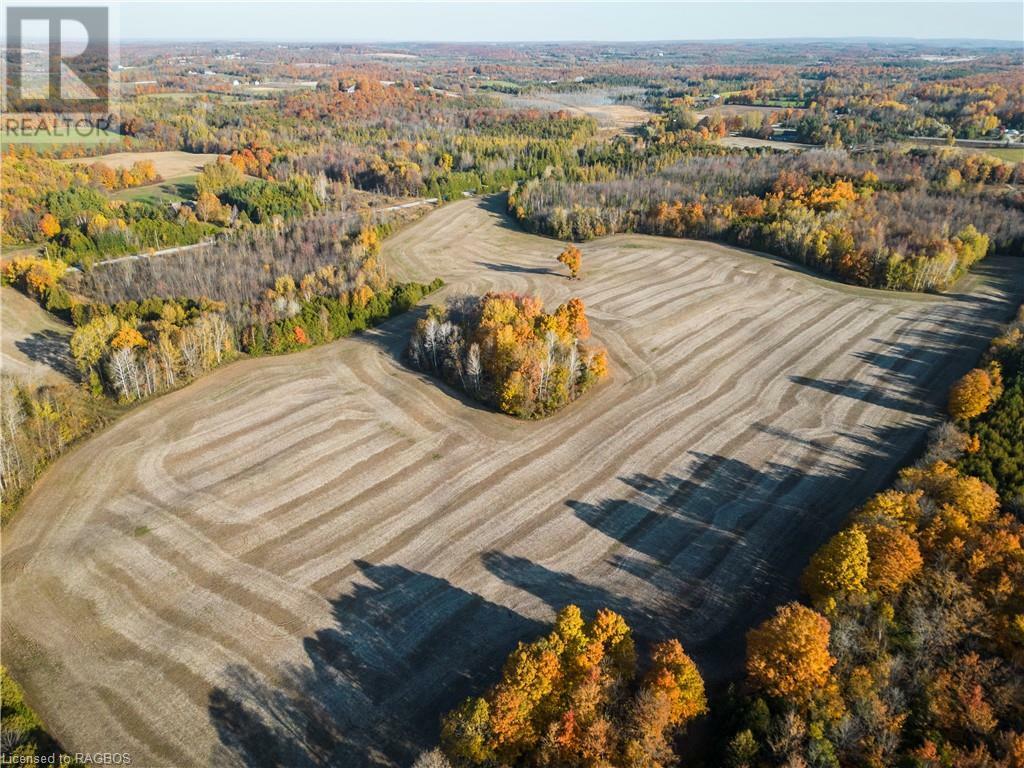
168, 191
305, 560
600, 104
33, 343
169, 164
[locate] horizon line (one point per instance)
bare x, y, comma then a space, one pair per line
553, 41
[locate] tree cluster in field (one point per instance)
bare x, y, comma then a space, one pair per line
504, 350
898, 220
139, 174
575, 698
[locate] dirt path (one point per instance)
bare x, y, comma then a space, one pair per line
33, 343
304, 560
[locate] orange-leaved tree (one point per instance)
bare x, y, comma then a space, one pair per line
49, 225
788, 655
571, 699
572, 258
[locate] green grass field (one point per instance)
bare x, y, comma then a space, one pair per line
41, 139
167, 191
1012, 154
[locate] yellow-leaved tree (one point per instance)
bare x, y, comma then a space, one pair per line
839, 569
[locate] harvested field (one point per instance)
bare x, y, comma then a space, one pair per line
611, 116
304, 560
617, 117
169, 164
731, 110
748, 141
34, 343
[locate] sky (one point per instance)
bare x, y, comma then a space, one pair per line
524, 21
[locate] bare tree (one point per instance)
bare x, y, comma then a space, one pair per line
432, 759
473, 368
124, 373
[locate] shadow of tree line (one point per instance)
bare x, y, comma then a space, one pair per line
351, 703
406, 647
50, 348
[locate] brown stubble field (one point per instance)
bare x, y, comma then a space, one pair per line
169, 163
307, 559
33, 343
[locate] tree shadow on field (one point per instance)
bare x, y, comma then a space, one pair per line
404, 648
517, 268
496, 206
859, 390
50, 348
558, 589
725, 542
1006, 275
913, 373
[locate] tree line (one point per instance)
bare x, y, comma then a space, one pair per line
892, 219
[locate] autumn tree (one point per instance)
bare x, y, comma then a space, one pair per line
674, 675
894, 558
218, 176
49, 225
971, 395
571, 699
947, 487
788, 655
209, 208
504, 349
839, 569
572, 258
